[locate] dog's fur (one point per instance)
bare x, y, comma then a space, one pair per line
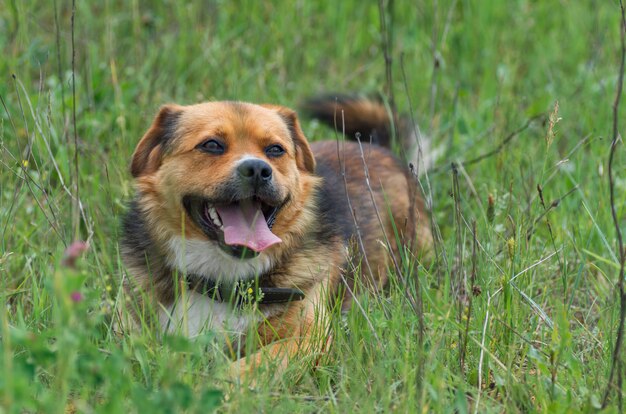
330, 221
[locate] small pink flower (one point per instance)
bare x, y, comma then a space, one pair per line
73, 252
76, 296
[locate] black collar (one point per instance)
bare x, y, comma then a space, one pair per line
243, 292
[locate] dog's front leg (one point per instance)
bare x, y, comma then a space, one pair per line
302, 330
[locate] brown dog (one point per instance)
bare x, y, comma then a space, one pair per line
239, 223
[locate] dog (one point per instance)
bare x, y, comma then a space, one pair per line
240, 225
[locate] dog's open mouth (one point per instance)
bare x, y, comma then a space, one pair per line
242, 228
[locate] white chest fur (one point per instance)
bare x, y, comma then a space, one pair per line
192, 312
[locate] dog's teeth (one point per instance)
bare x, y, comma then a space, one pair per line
215, 218
212, 213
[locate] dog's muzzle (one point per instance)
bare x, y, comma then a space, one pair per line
241, 213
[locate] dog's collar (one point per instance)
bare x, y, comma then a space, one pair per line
243, 292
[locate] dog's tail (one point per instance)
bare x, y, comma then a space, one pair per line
368, 119
371, 121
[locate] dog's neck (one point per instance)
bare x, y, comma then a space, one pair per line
224, 278
205, 258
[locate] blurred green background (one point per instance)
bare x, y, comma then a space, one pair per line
475, 72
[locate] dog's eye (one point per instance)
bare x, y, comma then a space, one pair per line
212, 146
274, 151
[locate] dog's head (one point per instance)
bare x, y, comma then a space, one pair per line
236, 175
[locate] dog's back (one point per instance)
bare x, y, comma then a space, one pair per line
383, 209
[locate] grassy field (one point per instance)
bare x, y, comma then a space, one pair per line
534, 330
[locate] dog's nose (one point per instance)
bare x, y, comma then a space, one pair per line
255, 172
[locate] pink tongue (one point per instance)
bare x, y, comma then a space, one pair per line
244, 225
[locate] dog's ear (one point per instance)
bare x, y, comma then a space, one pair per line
304, 155
148, 154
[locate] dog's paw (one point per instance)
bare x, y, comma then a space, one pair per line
241, 373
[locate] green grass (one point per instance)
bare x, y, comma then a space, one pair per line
499, 64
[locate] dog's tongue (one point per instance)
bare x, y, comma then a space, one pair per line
244, 225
